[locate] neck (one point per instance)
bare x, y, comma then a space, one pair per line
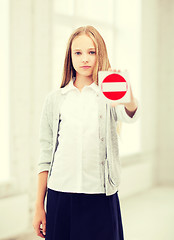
81, 81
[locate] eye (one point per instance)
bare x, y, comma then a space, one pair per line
92, 52
77, 53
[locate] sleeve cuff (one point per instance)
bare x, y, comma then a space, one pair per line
124, 117
43, 167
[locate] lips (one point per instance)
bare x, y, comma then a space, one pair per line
85, 67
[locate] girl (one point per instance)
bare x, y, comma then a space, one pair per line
79, 166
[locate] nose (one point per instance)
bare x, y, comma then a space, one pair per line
85, 58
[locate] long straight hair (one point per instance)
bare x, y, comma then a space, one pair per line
102, 63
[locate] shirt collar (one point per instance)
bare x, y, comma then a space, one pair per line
70, 86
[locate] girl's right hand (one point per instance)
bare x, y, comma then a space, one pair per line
40, 218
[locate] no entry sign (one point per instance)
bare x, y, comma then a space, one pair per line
114, 86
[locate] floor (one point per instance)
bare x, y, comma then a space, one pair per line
149, 216
146, 216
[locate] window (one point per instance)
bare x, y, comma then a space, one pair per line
4, 90
128, 56
120, 29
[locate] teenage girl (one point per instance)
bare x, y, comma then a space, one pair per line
79, 168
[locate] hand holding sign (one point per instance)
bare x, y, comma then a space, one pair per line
114, 86
116, 89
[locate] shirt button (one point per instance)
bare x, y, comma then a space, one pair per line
100, 116
103, 162
102, 139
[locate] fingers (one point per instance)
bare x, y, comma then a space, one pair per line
113, 70
39, 231
40, 234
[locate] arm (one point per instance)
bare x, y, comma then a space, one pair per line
127, 112
41, 189
45, 136
46, 146
131, 107
40, 215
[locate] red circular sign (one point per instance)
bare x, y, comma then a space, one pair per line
114, 86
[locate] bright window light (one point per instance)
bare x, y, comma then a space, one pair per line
4, 90
121, 30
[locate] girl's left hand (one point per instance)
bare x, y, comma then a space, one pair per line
130, 106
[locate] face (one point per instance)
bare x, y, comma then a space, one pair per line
83, 54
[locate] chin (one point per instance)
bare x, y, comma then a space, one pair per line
85, 75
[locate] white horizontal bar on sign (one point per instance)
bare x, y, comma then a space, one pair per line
114, 86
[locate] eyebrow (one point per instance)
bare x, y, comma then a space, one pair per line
78, 49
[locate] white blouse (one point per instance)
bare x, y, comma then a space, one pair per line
76, 166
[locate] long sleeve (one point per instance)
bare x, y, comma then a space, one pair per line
45, 138
120, 114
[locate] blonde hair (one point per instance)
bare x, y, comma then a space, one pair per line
102, 63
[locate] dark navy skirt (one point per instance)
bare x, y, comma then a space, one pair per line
81, 216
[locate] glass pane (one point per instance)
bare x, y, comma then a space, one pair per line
127, 54
65, 7
61, 35
128, 50
128, 57
99, 10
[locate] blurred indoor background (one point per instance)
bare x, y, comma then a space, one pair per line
139, 35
